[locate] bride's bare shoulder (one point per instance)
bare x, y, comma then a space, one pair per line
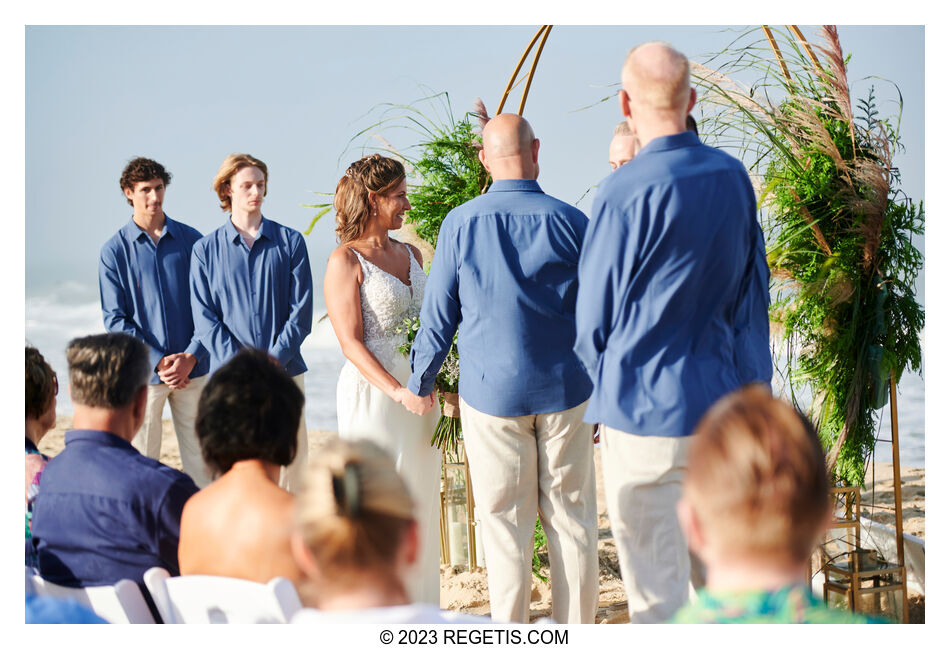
343, 257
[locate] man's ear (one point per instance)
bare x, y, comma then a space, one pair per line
535, 147
692, 529
139, 403
692, 100
302, 555
481, 158
624, 102
128, 193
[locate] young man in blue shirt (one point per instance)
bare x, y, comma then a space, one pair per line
251, 285
143, 288
505, 274
672, 313
106, 512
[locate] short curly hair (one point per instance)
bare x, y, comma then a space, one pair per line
249, 410
140, 170
41, 384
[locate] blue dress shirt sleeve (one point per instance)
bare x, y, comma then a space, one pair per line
116, 310
752, 352
288, 341
441, 313
607, 262
210, 330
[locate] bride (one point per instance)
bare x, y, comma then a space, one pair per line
372, 283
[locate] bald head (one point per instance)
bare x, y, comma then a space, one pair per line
656, 77
510, 149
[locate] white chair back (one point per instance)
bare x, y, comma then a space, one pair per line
122, 603
221, 600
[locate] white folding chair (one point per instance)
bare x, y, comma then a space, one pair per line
122, 603
205, 599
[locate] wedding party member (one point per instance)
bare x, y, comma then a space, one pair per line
672, 313
143, 288
755, 504
623, 145
239, 526
371, 285
251, 285
505, 275
105, 511
356, 540
41, 390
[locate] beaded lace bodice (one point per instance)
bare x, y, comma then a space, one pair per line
385, 301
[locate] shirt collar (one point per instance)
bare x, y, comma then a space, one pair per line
133, 232
669, 142
100, 437
266, 230
515, 185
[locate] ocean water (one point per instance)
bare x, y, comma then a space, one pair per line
56, 314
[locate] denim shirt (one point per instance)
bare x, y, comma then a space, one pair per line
505, 275
672, 309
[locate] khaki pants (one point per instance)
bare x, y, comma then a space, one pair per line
643, 480
522, 466
292, 476
184, 407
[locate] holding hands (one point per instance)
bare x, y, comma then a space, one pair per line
174, 369
415, 404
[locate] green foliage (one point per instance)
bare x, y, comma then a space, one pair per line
540, 545
448, 173
839, 233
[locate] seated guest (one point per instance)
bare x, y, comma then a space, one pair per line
356, 539
107, 512
239, 526
41, 390
755, 504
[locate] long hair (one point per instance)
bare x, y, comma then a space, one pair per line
370, 174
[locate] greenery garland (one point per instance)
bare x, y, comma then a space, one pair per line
839, 233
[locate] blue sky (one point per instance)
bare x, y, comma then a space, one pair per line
294, 96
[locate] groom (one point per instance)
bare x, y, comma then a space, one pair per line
505, 274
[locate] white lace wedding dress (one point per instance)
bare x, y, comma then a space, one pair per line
365, 412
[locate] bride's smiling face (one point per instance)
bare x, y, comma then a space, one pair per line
391, 207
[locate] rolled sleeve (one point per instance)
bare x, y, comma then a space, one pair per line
441, 312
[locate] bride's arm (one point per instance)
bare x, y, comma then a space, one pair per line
341, 291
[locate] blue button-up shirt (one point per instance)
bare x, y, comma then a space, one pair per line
672, 310
259, 297
143, 288
106, 512
505, 274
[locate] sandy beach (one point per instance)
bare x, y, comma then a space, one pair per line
467, 591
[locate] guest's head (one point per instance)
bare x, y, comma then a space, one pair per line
354, 523
623, 146
249, 410
656, 94
42, 387
371, 185
509, 148
143, 181
108, 375
241, 183
755, 489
